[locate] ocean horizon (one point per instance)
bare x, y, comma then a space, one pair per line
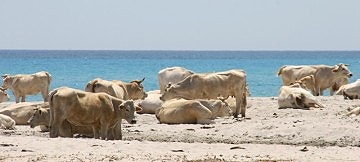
74, 68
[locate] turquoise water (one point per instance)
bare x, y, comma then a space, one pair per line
76, 68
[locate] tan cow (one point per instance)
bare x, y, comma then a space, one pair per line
338, 83
3, 95
41, 117
172, 75
6, 122
308, 83
28, 84
211, 86
350, 91
80, 108
181, 111
22, 112
325, 76
126, 91
296, 97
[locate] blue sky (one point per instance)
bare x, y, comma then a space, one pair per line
180, 24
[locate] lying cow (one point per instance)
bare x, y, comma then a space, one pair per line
296, 97
126, 91
22, 112
28, 84
150, 103
181, 111
41, 117
354, 112
172, 75
99, 110
3, 95
6, 122
338, 83
308, 83
325, 76
350, 91
211, 86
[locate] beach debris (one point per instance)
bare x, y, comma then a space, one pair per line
304, 149
177, 150
236, 147
6, 145
190, 129
24, 150
207, 127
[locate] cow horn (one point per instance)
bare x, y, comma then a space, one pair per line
5, 75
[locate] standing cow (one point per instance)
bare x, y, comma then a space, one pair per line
325, 76
99, 110
211, 86
172, 75
28, 84
126, 91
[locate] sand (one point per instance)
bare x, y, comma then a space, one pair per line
267, 134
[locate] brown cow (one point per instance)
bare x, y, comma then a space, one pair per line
325, 76
3, 95
99, 110
28, 84
126, 91
211, 86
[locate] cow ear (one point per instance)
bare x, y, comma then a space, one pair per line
138, 108
335, 69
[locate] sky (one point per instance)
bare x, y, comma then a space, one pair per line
180, 24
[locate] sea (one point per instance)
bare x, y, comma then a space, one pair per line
74, 68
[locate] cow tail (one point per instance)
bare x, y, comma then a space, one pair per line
280, 70
49, 77
51, 105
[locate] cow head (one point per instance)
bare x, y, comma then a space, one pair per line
342, 70
40, 117
137, 90
169, 93
127, 110
7, 81
225, 109
3, 95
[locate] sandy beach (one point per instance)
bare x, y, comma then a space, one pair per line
267, 134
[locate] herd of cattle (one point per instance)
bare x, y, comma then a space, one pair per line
184, 97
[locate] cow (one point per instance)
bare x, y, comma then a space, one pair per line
325, 76
3, 95
7, 122
126, 91
28, 84
211, 86
181, 111
150, 103
338, 83
22, 112
307, 82
41, 117
172, 75
294, 96
354, 112
350, 91
98, 110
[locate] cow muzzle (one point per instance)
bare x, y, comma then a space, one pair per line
350, 75
133, 121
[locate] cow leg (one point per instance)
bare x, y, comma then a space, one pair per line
117, 131
23, 98
104, 131
45, 96
96, 130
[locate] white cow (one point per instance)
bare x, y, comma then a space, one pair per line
172, 75
28, 84
6, 122
150, 103
296, 97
